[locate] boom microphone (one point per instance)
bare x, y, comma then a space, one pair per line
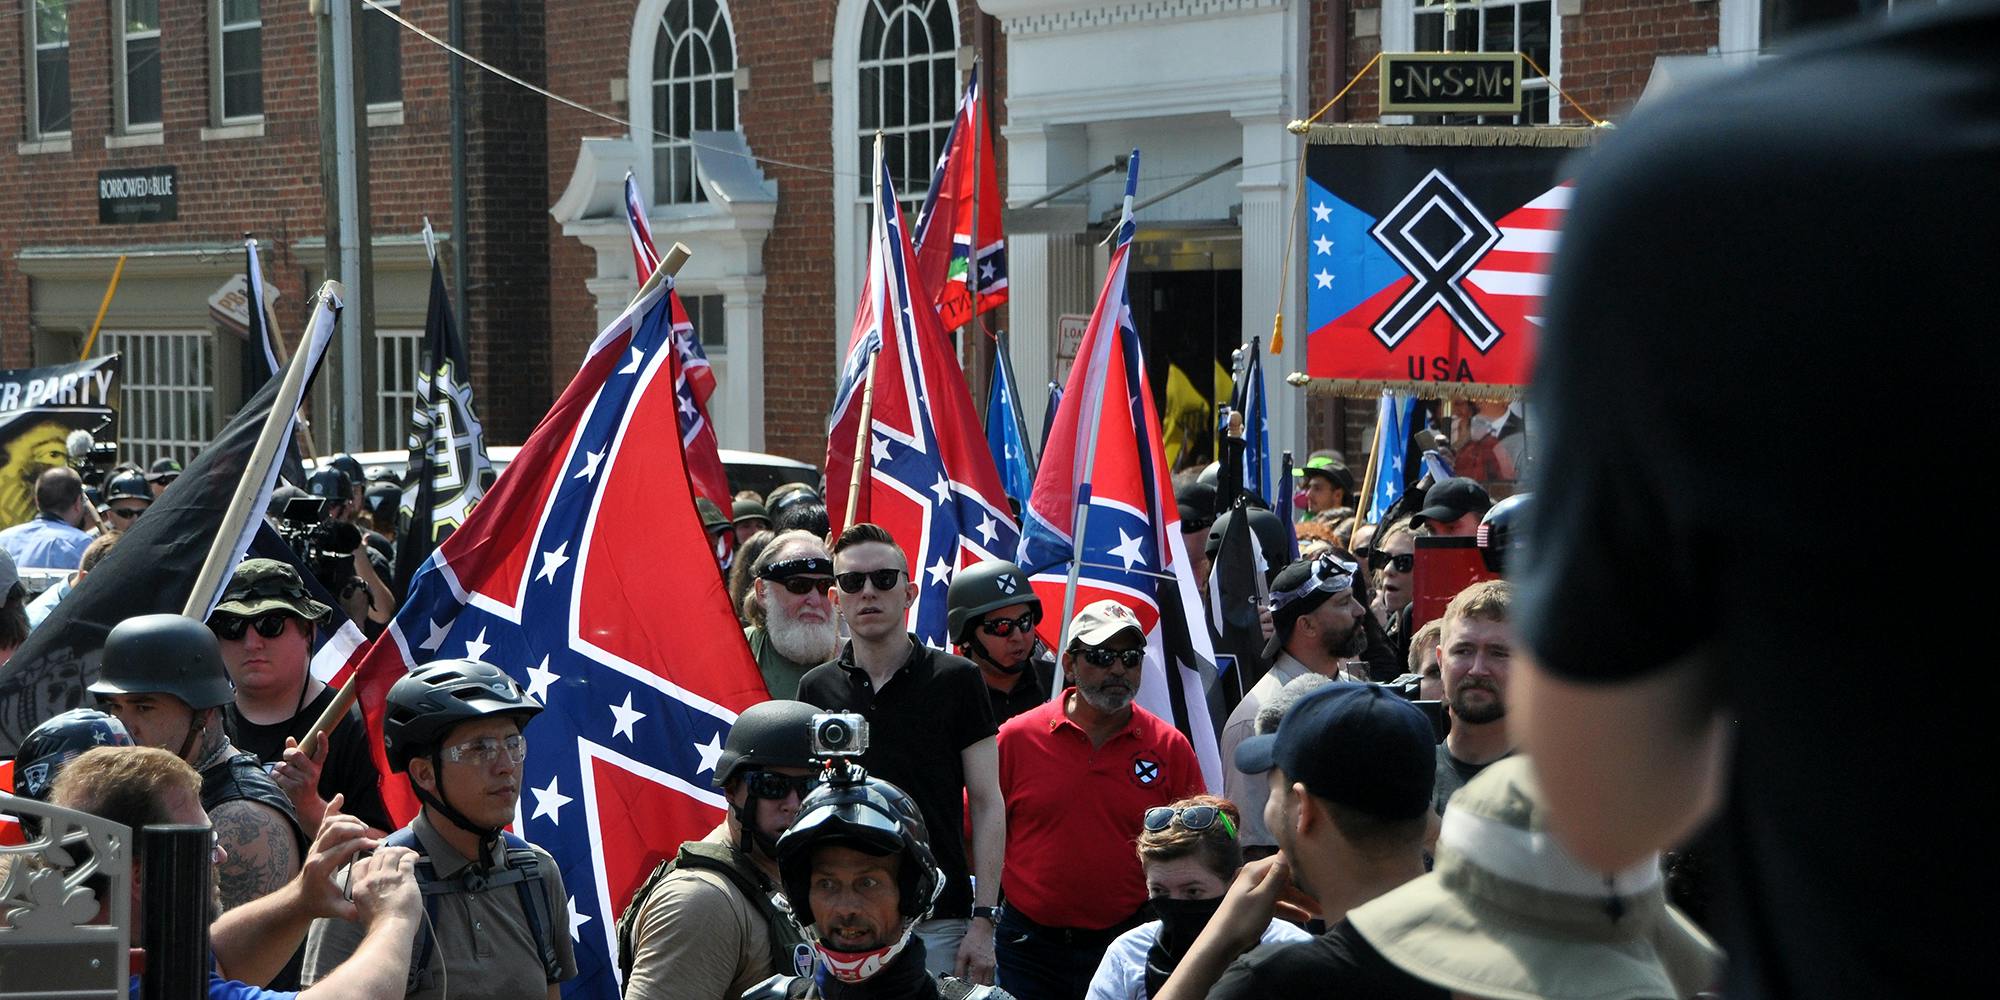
80, 443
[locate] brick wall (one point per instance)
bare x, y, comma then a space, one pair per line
1608, 50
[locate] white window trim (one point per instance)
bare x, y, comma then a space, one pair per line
31, 98
224, 122
1399, 34
120, 95
361, 68
639, 85
850, 210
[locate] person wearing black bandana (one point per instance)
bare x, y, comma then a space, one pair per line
1190, 853
791, 577
711, 922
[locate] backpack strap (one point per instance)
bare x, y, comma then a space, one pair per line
522, 869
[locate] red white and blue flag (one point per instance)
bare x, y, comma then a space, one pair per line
557, 577
928, 477
1103, 477
694, 378
963, 204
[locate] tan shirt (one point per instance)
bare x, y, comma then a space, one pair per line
485, 948
698, 938
1249, 791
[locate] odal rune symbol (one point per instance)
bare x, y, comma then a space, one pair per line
1438, 235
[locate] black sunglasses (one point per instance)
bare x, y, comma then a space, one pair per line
883, 579
1001, 628
775, 787
1195, 818
1105, 657
806, 584
128, 513
270, 625
1401, 563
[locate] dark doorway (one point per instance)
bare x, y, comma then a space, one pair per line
1188, 320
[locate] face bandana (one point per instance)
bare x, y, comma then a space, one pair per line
1181, 921
857, 966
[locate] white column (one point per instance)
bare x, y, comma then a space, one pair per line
1266, 188
742, 384
1031, 321
1039, 158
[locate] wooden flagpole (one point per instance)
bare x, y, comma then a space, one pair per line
1368, 479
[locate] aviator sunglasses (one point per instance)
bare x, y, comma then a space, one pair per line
883, 579
1001, 628
269, 625
775, 787
1196, 818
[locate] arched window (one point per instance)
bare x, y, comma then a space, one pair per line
694, 90
908, 82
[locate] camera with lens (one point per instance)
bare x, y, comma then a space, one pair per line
839, 734
326, 547
1408, 687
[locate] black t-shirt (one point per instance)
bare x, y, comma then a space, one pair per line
1336, 965
929, 711
1452, 774
1765, 380
1031, 691
349, 767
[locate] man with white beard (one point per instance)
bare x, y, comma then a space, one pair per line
792, 576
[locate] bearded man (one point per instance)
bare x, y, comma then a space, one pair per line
791, 578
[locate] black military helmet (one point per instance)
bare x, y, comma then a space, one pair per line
130, 485
349, 466
424, 705
1503, 532
749, 510
164, 654
771, 733
385, 502
871, 815
1269, 529
982, 587
331, 484
56, 742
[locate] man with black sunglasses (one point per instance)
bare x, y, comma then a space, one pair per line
792, 577
264, 624
1079, 774
708, 922
991, 614
931, 733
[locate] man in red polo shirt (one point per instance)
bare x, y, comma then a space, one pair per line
1078, 775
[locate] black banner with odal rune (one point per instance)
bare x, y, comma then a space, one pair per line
39, 408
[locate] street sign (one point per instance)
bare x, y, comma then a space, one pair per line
1451, 83
1069, 339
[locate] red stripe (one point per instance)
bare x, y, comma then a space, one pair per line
1509, 260
1534, 218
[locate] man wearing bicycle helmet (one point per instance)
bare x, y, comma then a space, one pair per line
498, 922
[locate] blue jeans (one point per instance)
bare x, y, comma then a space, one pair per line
1046, 963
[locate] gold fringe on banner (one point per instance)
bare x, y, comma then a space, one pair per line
1364, 134
1355, 388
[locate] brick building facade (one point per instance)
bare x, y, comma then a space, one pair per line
775, 206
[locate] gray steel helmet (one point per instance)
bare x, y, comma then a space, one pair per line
771, 733
130, 485
423, 705
982, 587
165, 654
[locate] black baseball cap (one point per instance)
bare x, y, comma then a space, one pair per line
1451, 499
163, 469
1196, 503
1358, 745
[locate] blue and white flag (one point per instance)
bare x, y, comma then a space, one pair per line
1397, 413
1005, 435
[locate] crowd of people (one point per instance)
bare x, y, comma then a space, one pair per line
994, 835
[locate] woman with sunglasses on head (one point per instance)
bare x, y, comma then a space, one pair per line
1190, 854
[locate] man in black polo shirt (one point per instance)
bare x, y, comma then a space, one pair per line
931, 733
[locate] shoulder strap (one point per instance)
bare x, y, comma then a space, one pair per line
628, 921
785, 934
429, 886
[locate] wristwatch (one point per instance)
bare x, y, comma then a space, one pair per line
989, 912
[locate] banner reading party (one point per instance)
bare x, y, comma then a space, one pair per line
1427, 250
39, 407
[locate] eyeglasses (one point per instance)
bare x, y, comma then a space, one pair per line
803, 585
1400, 563
1001, 628
1105, 657
486, 749
128, 513
777, 787
1195, 818
269, 625
883, 579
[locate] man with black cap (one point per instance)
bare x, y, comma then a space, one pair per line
792, 576
710, 922
161, 474
991, 614
1327, 484
163, 678
1453, 507
1349, 774
1078, 774
126, 496
1319, 624
264, 625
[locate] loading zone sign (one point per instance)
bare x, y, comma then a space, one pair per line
144, 194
